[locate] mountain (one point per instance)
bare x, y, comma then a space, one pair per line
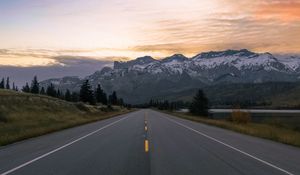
143, 78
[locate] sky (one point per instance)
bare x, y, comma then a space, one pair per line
38, 32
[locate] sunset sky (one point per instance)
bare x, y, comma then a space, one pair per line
36, 32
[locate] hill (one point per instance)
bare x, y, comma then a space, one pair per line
24, 115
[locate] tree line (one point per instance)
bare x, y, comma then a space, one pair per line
86, 94
6, 84
198, 106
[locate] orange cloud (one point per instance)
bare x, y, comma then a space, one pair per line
286, 11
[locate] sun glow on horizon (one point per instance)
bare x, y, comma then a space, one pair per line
126, 29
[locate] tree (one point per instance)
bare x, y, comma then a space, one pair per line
199, 105
74, 97
104, 98
26, 88
35, 88
51, 91
86, 93
43, 91
113, 99
100, 95
68, 95
58, 94
2, 84
7, 83
14, 87
121, 102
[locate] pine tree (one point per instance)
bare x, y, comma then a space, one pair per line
100, 95
113, 99
86, 93
2, 84
68, 95
7, 83
14, 87
121, 102
58, 94
74, 97
35, 88
104, 98
26, 88
42, 91
51, 91
199, 105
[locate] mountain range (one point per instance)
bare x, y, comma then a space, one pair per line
139, 80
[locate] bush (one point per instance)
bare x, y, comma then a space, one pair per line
82, 107
238, 116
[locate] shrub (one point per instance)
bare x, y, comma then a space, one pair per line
238, 116
82, 107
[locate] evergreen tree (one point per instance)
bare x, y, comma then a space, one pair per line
42, 91
2, 84
113, 99
199, 105
86, 93
121, 102
58, 94
35, 88
26, 88
51, 91
74, 97
7, 83
99, 94
104, 98
68, 95
14, 87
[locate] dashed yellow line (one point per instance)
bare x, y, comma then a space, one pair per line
146, 128
146, 145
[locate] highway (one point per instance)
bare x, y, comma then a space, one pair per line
148, 142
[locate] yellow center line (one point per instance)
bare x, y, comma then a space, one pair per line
146, 128
146, 146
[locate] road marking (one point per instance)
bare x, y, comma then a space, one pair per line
231, 147
146, 128
146, 146
57, 149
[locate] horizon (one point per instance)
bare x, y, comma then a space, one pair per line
35, 33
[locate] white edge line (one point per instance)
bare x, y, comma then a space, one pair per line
229, 146
59, 148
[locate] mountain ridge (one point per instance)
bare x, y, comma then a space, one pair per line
140, 79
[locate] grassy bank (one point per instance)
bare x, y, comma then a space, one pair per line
263, 130
24, 115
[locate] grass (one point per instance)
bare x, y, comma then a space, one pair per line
264, 130
24, 115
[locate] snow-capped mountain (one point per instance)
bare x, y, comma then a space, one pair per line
149, 77
211, 67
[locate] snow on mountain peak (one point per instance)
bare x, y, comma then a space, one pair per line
238, 59
175, 57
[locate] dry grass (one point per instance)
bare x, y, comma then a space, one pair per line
238, 116
279, 134
25, 115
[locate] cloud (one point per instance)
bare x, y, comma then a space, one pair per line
282, 10
48, 57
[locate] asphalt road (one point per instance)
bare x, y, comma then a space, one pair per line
148, 142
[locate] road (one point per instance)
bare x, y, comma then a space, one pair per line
148, 142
